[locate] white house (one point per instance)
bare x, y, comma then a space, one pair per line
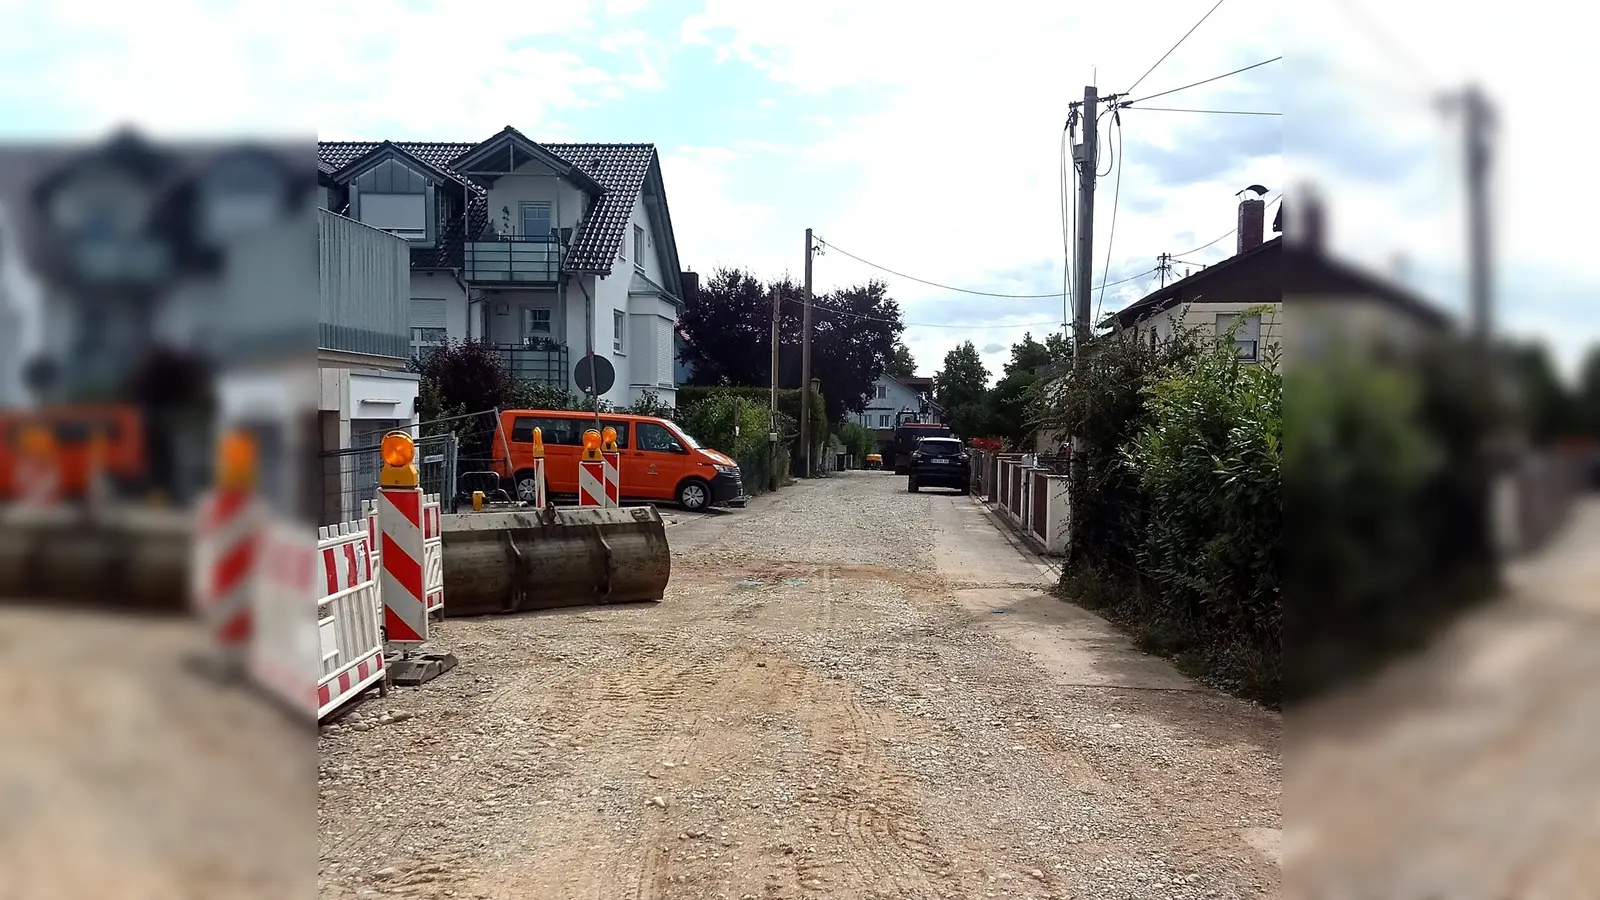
547, 251
891, 396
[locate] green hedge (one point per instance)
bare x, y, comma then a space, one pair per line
761, 398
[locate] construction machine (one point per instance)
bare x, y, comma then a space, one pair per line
513, 557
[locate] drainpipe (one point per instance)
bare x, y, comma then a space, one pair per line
589, 314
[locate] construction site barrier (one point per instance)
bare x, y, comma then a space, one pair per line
432, 545
349, 615
229, 526
283, 651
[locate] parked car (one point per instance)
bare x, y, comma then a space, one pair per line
660, 461
940, 462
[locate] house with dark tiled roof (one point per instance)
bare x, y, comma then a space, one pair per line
548, 251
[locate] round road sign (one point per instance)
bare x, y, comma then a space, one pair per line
602, 366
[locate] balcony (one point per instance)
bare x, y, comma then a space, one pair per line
514, 260
365, 289
538, 362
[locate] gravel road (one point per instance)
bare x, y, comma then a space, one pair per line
849, 691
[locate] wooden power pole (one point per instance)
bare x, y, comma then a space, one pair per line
805, 364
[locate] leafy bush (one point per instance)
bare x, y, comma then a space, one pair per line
788, 407
857, 440
1209, 461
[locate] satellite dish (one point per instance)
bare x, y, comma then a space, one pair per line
586, 380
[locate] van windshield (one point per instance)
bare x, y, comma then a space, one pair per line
688, 438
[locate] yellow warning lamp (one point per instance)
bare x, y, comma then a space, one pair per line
538, 443
236, 462
608, 438
591, 445
399, 460
38, 442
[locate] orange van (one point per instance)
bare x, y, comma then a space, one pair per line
660, 461
72, 427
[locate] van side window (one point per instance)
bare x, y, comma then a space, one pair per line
654, 437
556, 432
622, 432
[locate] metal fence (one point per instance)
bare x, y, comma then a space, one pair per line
350, 476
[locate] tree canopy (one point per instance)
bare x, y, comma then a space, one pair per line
727, 331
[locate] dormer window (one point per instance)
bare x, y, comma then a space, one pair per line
394, 198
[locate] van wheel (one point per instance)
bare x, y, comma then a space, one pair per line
527, 488
694, 494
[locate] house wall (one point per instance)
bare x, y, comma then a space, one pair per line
1203, 317
530, 182
566, 316
443, 286
651, 347
1359, 319
897, 397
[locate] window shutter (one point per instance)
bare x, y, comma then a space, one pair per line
427, 313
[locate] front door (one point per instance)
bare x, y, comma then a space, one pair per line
658, 465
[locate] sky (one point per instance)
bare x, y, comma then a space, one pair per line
922, 137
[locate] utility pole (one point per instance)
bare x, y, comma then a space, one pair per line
805, 363
1164, 266
1479, 119
1084, 154
772, 419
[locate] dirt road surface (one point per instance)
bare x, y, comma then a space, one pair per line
850, 691
1468, 771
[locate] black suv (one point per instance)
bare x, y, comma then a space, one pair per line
940, 462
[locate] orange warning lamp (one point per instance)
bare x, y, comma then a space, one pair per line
38, 442
538, 443
608, 438
591, 445
236, 461
399, 456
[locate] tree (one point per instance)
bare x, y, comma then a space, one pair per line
1588, 394
727, 336
1012, 394
856, 332
727, 330
1547, 407
962, 388
901, 363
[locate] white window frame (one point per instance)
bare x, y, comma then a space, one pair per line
883, 420
419, 344
522, 216
638, 247
1249, 350
528, 321
882, 392
619, 326
418, 233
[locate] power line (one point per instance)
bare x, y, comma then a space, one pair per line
1230, 233
1174, 47
1214, 112
1116, 194
1204, 81
1382, 39
935, 283
825, 311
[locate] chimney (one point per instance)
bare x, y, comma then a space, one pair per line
690, 283
1304, 229
1252, 223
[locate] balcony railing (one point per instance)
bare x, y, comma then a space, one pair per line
365, 288
539, 362
514, 260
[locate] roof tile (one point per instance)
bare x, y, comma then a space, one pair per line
620, 168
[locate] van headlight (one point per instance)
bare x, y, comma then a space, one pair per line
727, 470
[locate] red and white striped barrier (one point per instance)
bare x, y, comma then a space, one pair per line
283, 651
433, 545
402, 557
350, 614
592, 482
613, 477
541, 494
226, 559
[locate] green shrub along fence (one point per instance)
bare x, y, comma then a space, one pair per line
711, 409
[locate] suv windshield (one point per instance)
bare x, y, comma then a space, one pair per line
939, 447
